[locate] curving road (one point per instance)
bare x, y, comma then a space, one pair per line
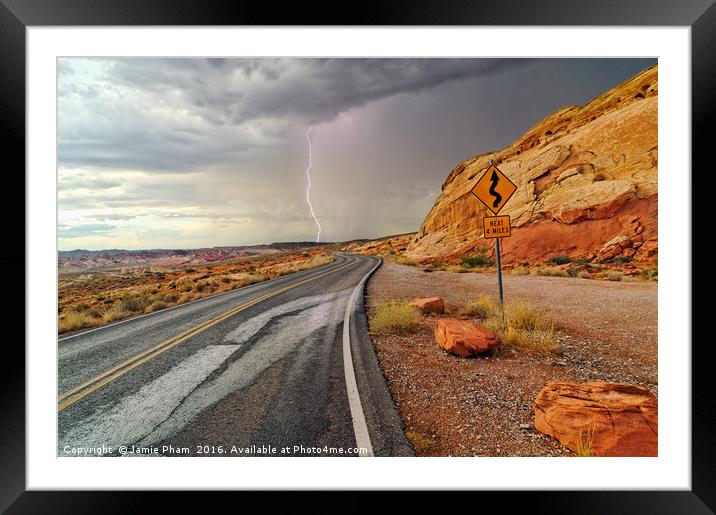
271, 369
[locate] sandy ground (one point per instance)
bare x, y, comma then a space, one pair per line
484, 407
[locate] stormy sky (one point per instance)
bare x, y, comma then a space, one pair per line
187, 153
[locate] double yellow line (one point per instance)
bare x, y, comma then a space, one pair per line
70, 397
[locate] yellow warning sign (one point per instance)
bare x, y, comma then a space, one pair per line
497, 226
494, 189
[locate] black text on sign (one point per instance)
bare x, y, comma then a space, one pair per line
496, 226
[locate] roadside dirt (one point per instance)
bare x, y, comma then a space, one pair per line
484, 407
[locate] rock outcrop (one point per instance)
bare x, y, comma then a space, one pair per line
599, 419
429, 304
464, 338
587, 185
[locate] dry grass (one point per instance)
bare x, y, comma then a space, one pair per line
550, 271
404, 260
156, 306
609, 275
421, 443
520, 270
482, 307
74, 320
584, 446
520, 326
315, 261
394, 317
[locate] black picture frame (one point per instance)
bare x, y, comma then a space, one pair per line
700, 15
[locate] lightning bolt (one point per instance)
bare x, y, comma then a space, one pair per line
308, 189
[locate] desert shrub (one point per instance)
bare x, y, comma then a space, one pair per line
171, 297
613, 275
549, 271
420, 442
134, 303
115, 313
573, 272
437, 265
155, 306
581, 261
99, 298
456, 268
81, 306
649, 274
520, 270
476, 260
186, 298
200, 286
617, 260
482, 307
72, 321
307, 264
521, 327
584, 275
559, 260
394, 317
404, 260
93, 313
173, 285
226, 280
186, 287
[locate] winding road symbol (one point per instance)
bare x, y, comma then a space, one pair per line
494, 189
494, 179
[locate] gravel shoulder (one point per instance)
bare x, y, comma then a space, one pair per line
484, 406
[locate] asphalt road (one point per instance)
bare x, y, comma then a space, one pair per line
265, 370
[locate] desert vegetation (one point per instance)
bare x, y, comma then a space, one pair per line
393, 316
94, 298
519, 325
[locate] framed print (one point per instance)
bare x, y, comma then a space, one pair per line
429, 238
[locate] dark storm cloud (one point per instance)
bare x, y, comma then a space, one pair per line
314, 90
183, 114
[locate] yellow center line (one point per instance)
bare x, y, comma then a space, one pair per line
71, 396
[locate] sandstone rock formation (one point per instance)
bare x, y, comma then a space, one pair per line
464, 338
587, 185
604, 419
429, 304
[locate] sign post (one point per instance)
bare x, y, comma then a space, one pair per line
494, 189
499, 269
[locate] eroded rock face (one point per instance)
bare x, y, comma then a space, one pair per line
429, 304
464, 338
585, 175
603, 419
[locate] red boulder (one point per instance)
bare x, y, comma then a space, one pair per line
464, 338
429, 304
599, 419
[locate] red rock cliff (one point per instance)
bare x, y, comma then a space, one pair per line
587, 185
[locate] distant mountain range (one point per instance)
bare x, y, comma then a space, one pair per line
80, 259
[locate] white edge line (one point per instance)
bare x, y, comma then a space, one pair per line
160, 311
360, 428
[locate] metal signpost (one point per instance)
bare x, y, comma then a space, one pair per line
494, 189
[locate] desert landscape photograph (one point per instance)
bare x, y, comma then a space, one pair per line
357, 257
